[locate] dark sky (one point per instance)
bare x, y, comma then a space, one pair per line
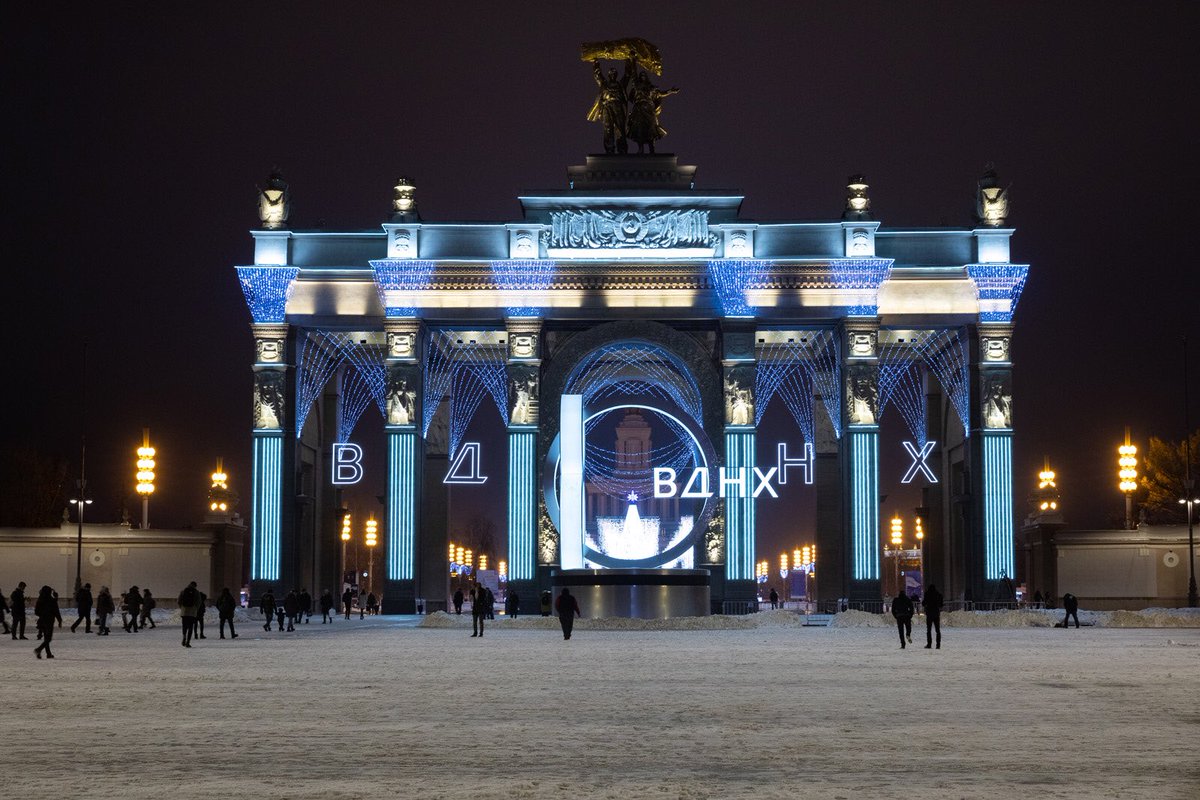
136, 135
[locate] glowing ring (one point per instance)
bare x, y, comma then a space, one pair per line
1170, 559
550, 493
97, 558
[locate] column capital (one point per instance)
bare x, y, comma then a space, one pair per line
524, 339
403, 337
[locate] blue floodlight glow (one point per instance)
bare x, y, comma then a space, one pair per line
739, 511
522, 504
267, 290
401, 503
864, 503
401, 275
796, 370
529, 275
997, 506
861, 274
265, 523
731, 277
998, 283
464, 372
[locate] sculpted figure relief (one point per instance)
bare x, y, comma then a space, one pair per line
401, 404
991, 200
523, 391
268, 400
997, 403
862, 399
273, 202
644, 128
739, 399
627, 107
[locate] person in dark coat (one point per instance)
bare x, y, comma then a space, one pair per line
1071, 606
148, 605
189, 604
267, 606
3, 611
933, 616
46, 610
902, 610
200, 609
478, 610
774, 598
305, 605
372, 603
326, 606
347, 600
291, 607
83, 607
458, 601
225, 606
133, 607
514, 604
105, 607
568, 609
18, 611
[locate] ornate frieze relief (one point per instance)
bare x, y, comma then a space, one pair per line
630, 229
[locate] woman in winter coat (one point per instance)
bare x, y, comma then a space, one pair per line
133, 605
46, 610
326, 606
105, 607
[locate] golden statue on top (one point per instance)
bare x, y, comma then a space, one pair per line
628, 107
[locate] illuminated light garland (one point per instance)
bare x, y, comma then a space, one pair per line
401, 275
464, 372
944, 352
857, 274
731, 277
631, 368
900, 385
603, 470
998, 282
322, 353
796, 371
531, 275
267, 290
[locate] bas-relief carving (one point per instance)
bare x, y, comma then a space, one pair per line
522, 345
547, 537
524, 245
863, 344
401, 396
739, 396
268, 400
622, 229
995, 348
403, 244
523, 396
401, 344
862, 396
268, 351
997, 400
714, 537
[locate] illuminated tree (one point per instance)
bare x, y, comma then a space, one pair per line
1162, 479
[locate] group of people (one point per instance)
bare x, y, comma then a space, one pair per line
903, 609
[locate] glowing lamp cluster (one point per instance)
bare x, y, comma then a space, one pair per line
372, 536
761, 571
1127, 463
346, 528
145, 467
897, 531
1047, 489
219, 489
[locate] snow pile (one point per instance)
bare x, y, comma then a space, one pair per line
861, 619
1154, 618
778, 618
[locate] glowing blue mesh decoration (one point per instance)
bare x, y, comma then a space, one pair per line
532, 275
900, 385
401, 274
315, 365
998, 282
731, 277
858, 274
944, 354
464, 371
322, 353
633, 368
796, 370
611, 473
267, 290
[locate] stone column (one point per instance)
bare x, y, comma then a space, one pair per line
402, 426
991, 560
272, 420
524, 391
738, 367
860, 454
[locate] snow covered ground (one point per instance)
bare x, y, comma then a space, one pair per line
763, 708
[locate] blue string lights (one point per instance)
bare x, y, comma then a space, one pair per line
405, 275
862, 276
731, 277
365, 380
944, 354
528, 275
998, 287
797, 366
464, 369
267, 290
633, 368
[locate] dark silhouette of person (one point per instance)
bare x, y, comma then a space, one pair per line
83, 607
491, 603
933, 616
514, 604
266, 605
46, 611
148, 605
200, 609
3, 611
478, 610
902, 610
189, 604
458, 601
1071, 606
568, 609
280, 611
291, 607
347, 600
225, 607
774, 597
326, 606
546, 602
1037, 599
105, 608
306, 605
18, 611
372, 603
133, 607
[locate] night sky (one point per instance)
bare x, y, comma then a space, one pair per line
136, 136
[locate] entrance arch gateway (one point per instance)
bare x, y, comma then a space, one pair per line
635, 275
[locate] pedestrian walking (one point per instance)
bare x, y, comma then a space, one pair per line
200, 609
267, 606
1071, 606
148, 605
514, 604
326, 606
491, 603
83, 607
225, 607
933, 616
18, 611
478, 610
347, 600
458, 601
291, 607
568, 609
774, 597
189, 604
132, 609
105, 607
46, 610
306, 605
902, 610
3, 611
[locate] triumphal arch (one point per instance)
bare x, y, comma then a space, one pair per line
624, 337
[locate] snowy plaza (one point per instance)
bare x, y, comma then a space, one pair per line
400, 707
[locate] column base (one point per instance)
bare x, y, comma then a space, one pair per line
399, 597
865, 590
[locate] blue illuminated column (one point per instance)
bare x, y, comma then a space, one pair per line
402, 411
524, 389
738, 362
860, 448
991, 570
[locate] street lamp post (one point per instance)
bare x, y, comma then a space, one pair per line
372, 526
80, 500
920, 534
345, 538
897, 541
1189, 483
1127, 462
145, 475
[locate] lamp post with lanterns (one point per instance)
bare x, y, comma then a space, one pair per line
81, 499
145, 475
372, 540
345, 540
1127, 472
